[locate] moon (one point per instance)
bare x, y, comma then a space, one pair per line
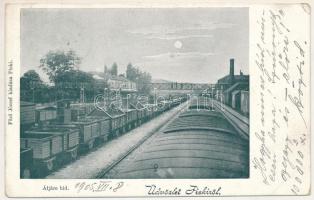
178, 44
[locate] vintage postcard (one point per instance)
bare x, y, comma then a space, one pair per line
148, 99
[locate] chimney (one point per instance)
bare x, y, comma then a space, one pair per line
231, 70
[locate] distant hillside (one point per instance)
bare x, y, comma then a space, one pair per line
160, 81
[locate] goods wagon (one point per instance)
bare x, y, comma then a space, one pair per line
151, 109
155, 110
46, 147
89, 131
69, 140
104, 126
46, 114
141, 109
130, 115
167, 105
27, 113
116, 119
197, 144
132, 118
200, 102
162, 106
89, 107
26, 162
85, 107
77, 113
177, 101
148, 112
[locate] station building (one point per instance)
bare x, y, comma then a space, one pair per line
233, 90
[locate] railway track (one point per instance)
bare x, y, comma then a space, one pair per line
197, 144
106, 170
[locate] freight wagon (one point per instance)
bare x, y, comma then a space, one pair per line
26, 162
89, 107
77, 113
104, 126
69, 140
89, 131
84, 107
141, 110
27, 115
46, 147
57, 139
197, 144
46, 114
168, 105
177, 101
131, 118
151, 109
200, 102
165, 105
130, 114
117, 121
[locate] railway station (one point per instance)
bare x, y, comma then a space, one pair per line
182, 130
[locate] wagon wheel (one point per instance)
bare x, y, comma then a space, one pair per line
49, 165
74, 154
26, 173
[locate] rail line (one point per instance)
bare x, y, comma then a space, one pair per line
137, 145
178, 164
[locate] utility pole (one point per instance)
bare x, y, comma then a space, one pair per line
212, 95
82, 95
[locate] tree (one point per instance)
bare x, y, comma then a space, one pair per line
74, 76
68, 85
114, 69
55, 63
33, 89
30, 79
145, 78
131, 72
142, 79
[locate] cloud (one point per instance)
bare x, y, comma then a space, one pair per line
179, 55
176, 37
174, 33
210, 26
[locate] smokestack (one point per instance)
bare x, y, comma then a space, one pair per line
231, 70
